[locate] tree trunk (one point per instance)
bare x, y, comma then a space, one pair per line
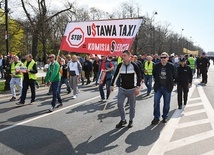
35, 40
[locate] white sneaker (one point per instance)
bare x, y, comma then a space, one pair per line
73, 97
51, 109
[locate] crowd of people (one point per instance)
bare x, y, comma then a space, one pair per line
128, 72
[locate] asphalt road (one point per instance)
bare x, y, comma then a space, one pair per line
81, 126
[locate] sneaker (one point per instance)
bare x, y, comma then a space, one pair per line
13, 98
130, 124
69, 92
102, 100
165, 120
51, 109
73, 97
155, 121
121, 124
180, 107
58, 105
20, 103
32, 101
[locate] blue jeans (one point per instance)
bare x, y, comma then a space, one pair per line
108, 85
56, 94
162, 91
148, 82
66, 82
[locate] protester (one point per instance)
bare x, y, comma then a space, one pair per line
16, 77
191, 62
29, 78
204, 65
106, 67
156, 59
95, 69
148, 68
87, 68
53, 78
127, 72
198, 66
64, 76
75, 70
2, 66
183, 81
164, 74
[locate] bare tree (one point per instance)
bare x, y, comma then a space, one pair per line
39, 21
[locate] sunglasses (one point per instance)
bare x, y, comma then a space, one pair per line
163, 57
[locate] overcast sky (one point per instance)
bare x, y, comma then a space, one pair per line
196, 17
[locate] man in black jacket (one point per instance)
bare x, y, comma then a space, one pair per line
129, 87
184, 81
164, 74
205, 64
87, 67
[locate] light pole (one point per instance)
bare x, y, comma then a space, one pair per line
153, 31
182, 41
6, 27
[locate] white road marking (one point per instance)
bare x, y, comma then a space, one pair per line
194, 112
194, 99
193, 105
189, 140
193, 123
209, 153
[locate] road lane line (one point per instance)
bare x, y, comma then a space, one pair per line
209, 153
193, 123
194, 112
44, 115
194, 99
193, 105
189, 140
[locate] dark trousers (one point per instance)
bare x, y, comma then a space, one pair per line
87, 75
2, 72
95, 76
26, 84
204, 75
182, 90
56, 94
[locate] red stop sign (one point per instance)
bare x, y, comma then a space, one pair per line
75, 38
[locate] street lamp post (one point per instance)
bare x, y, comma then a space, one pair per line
182, 41
6, 27
153, 31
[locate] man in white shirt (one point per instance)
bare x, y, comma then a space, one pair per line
74, 69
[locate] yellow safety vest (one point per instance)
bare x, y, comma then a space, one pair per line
13, 69
191, 62
148, 67
30, 67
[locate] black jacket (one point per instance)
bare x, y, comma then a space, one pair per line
170, 76
184, 75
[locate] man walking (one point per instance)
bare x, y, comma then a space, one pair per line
75, 70
164, 74
148, 68
16, 77
53, 78
184, 81
205, 64
29, 78
107, 67
2, 64
87, 67
127, 71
